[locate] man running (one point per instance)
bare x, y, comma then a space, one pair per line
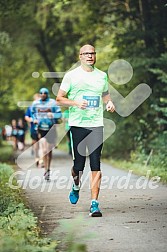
46, 114
84, 90
33, 131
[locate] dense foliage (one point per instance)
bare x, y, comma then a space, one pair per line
41, 36
6, 152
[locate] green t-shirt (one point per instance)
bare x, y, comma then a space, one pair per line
66, 117
80, 84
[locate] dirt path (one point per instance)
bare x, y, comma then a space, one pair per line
134, 219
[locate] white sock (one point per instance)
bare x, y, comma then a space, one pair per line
76, 187
94, 200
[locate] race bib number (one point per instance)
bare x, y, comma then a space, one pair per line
93, 101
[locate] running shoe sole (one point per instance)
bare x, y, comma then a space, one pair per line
95, 214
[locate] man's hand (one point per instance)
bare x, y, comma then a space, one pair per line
82, 104
35, 121
110, 106
50, 115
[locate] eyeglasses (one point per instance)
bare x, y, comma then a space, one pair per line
88, 53
43, 93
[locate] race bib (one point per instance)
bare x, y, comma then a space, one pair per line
45, 124
93, 101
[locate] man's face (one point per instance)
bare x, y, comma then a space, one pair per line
87, 55
44, 96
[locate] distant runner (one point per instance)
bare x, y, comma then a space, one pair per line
33, 132
46, 114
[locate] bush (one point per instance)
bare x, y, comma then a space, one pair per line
6, 152
18, 226
7, 195
141, 159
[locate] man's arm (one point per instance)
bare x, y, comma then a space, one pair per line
33, 113
28, 116
28, 119
55, 111
64, 101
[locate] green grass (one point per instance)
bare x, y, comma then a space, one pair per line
18, 225
139, 169
6, 152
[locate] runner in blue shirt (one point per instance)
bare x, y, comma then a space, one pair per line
46, 114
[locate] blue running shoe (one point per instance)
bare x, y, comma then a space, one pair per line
94, 209
74, 196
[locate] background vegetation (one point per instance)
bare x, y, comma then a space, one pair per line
6, 152
18, 225
41, 36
